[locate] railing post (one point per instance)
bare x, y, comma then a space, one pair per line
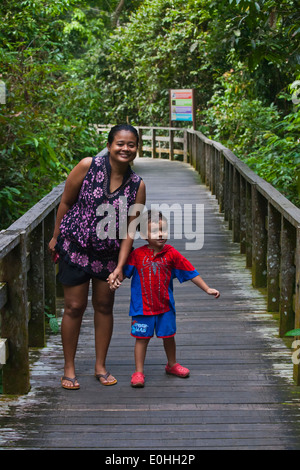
226, 190
153, 133
202, 162
14, 323
188, 146
213, 170
140, 142
243, 215
229, 186
195, 152
259, 239
171, 144
221, 181
192, 151
185, 146
36, 289
287, 277
273, 258
49, 266
219, 176
248, 225
207, 148
297, 301
236, 206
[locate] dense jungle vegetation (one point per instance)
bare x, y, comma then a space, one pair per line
68, 64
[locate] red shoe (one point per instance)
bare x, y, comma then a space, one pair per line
137, 379
178, 370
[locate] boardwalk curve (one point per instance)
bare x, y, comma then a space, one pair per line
240, 394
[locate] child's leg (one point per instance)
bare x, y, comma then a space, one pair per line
172, 366
170, 348
140, 350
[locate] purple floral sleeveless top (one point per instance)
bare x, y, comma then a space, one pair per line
90, 231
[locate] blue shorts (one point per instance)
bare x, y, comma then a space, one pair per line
164, 324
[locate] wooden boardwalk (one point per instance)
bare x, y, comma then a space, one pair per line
240, 394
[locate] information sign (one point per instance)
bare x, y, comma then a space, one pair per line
182, 105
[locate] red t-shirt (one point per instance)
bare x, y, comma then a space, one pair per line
152, 279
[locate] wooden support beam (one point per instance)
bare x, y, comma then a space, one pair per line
297, 303
236, 201
36, 288
287, 277
273, 259
259, 239
14, 320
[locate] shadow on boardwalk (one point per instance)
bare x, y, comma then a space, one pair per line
240, 394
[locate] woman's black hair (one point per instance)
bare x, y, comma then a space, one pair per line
122, 127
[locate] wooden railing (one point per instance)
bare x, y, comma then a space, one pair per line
173, 145
27, 287
262, 221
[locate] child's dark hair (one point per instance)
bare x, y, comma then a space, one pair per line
154, 215
122, 127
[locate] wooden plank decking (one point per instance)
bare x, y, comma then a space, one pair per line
240, 394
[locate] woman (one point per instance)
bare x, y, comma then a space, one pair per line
86, 248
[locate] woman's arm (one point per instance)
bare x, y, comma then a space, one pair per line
127, 243
69, 196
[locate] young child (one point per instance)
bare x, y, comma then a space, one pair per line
153, 268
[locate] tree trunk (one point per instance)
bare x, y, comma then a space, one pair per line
117, 13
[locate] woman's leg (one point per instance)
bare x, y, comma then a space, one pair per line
103, 302
75, 298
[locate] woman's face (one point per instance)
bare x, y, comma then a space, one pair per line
123, 148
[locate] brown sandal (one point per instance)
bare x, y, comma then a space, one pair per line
68, 387
105, 376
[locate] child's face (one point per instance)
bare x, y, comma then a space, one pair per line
157, 234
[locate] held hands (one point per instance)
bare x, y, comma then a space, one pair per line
115, 279
114, 284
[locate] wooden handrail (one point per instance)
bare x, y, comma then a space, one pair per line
262, 221
28, 284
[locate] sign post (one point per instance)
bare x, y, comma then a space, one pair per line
182, 106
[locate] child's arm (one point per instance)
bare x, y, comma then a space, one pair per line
200, 283
127, 272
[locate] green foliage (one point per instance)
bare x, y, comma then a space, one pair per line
66, 66
240, 56
277, 161
160, 48
54, 324
234, 117
260, 135
51, 102
180, 44
295, 332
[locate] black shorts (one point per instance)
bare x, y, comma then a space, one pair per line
74, 276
